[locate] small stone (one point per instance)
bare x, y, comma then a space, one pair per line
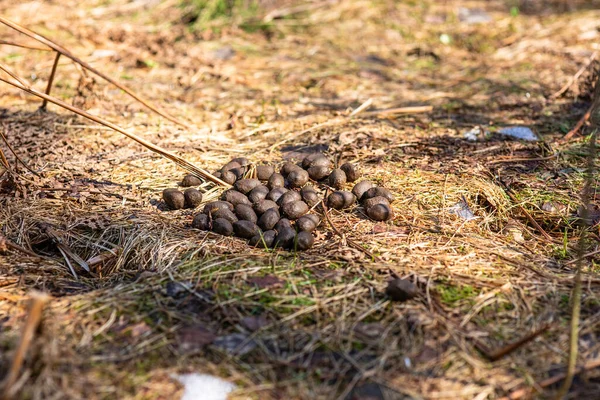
401, 290
193, 198
176, 289
174, 199
264, 172
337, 179
246, 213
275, 181
202, 222
245, 229
350, 171
294, 209
297, 178
222, 227
361, 187
190, 180
367, 391
246, 185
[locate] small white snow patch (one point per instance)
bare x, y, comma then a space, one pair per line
519, 132
462, 210
204, 387
475, 134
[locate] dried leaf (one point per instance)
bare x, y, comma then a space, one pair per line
236, 343
254, 322
139, 329
266, 281
194, 338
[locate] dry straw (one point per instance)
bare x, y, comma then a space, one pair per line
23, 85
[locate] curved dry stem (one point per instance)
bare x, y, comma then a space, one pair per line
67, 53
157, 149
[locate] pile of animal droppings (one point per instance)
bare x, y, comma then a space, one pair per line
280, 209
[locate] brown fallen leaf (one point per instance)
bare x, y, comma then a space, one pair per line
194, 338
401, 290
390, 230
254, 322
266, 281
236, 343
138, 329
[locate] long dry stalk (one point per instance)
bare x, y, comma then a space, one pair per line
157, 149
38, 300
51, 79
23, 45
586, 223
58, 48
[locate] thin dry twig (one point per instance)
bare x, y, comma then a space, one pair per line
56, 47
586, 222
527, 392
516, 159
5, 243
7, 143
341, 235
284, 12
399, 110
532, 220
362, 107
51, 80
24, 46
38, 300
577, 126
157, 149
494, 355
4, 161
575, 77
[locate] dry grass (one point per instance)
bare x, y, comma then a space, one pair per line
328, 328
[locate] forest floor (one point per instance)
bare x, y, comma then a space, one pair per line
314, 324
